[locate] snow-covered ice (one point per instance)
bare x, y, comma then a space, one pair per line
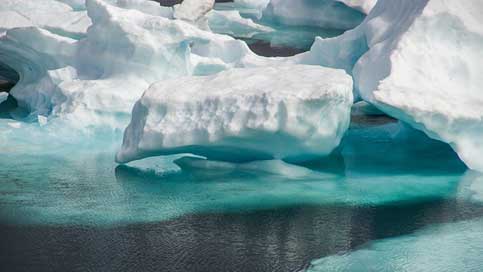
193, 10
232, 23
55, 16
93, 81
364, 6
289, 112
420, 62
87, 62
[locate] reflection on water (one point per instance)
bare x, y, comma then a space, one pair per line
267, 37
373, 166
283, 239
76, 210
446, 247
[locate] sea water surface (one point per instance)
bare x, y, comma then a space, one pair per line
389, 199
279, 41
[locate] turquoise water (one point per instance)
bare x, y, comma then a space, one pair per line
388, 199
44, 184
446, 247
285, 40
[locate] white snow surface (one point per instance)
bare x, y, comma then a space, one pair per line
419, 61
49, 14
193, 10
87, 62
364, 6
230, 22
290, 112
94, 81
252, 4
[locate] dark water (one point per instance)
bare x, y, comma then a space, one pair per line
266, 49
284, 239
78, 211
169, 3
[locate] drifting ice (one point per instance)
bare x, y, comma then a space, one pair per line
87, 62
294, 112
419, 61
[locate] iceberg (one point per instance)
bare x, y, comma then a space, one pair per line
324, 13
148, 7
230, 22
55, 16
418, 61
193, 10
291, 112
251, 8
88, 62
93, 80
252, 4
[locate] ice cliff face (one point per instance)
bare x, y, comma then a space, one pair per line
419, 61
292, 112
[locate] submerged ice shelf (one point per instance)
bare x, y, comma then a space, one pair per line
446, 247
74, 185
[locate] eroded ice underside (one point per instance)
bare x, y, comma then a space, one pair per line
420, 62
292, 112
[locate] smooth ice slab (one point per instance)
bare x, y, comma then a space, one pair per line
292, 112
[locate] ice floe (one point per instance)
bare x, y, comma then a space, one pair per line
291, 112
